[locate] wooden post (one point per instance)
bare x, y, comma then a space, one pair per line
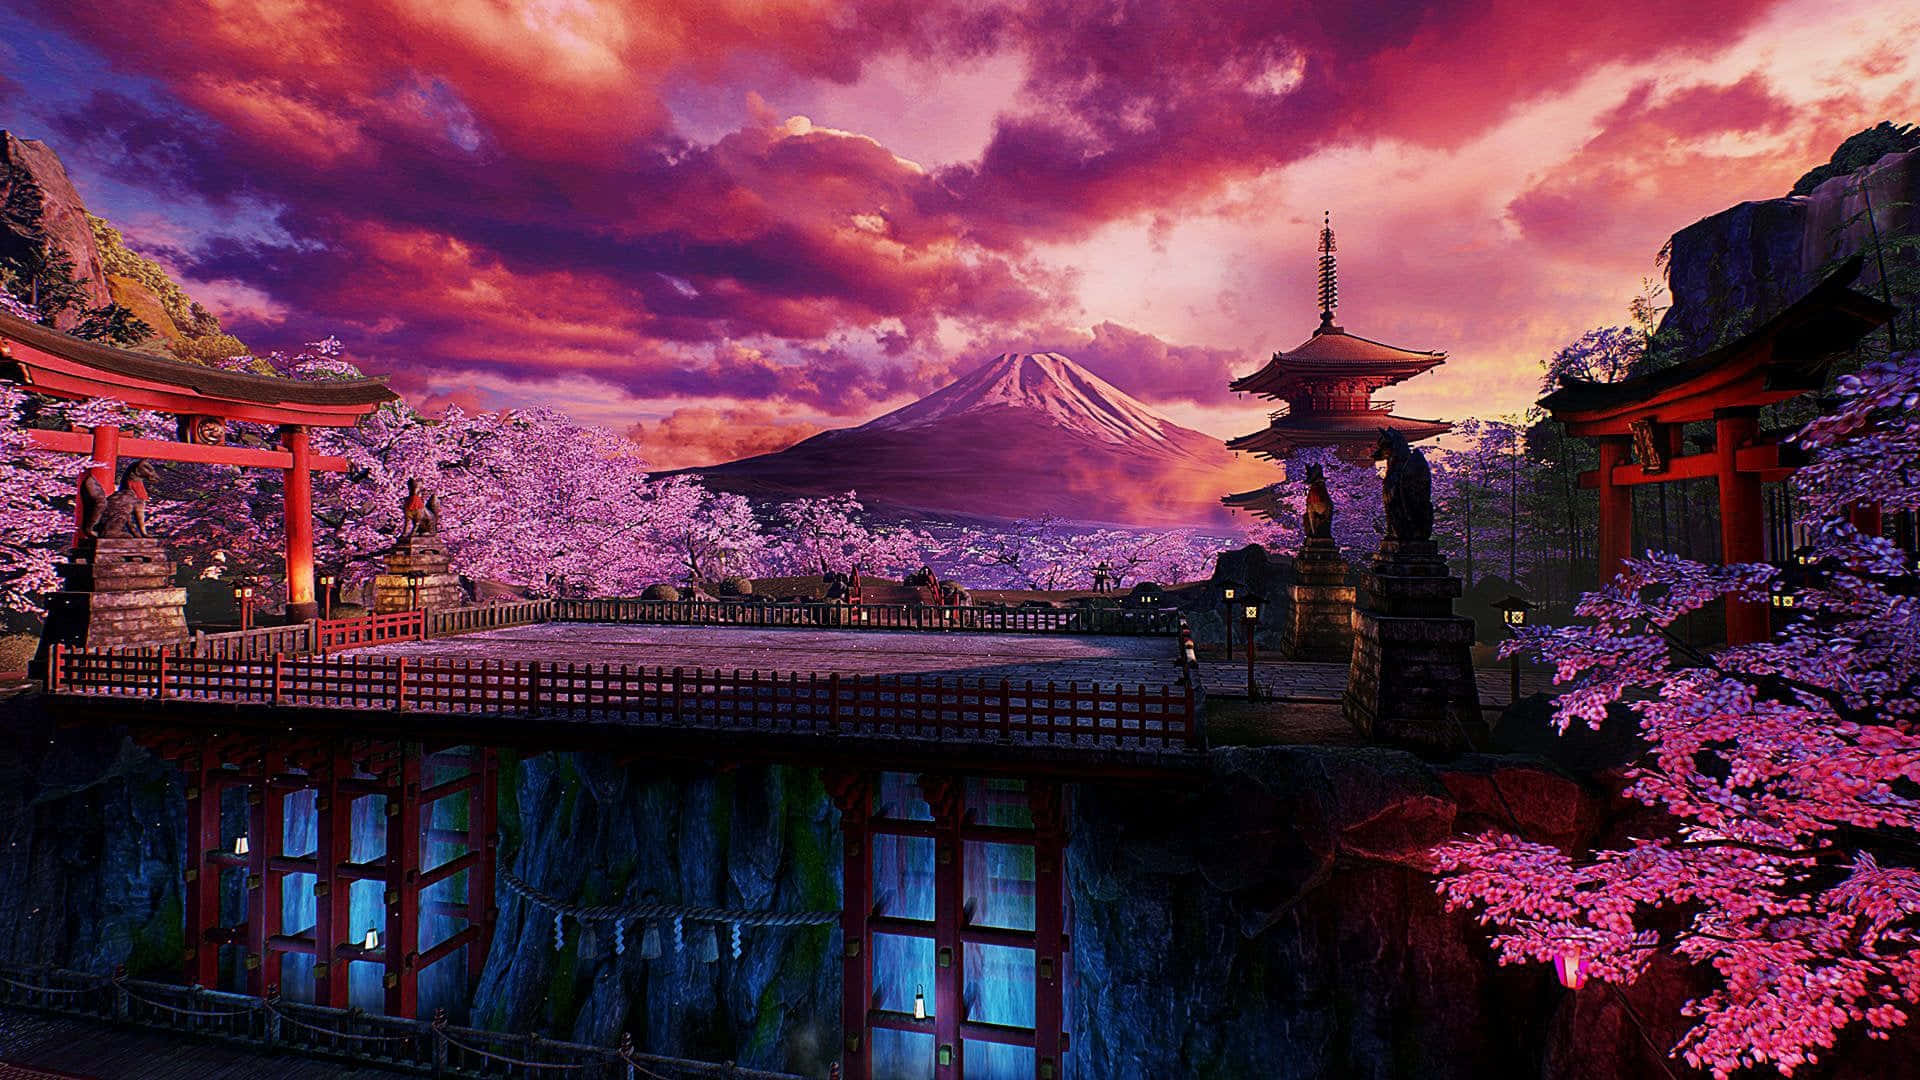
403, 891
1049, 925
298, 511
202, 894
106, 458
852, 794
944, 796
482, 808
1616, 509
332, 910
1741, 524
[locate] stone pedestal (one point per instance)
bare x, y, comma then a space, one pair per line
1410, 681
1320, 621
418, 574
119, 591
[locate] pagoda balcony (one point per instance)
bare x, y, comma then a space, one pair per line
1381, 407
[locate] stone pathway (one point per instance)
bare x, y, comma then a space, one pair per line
1287, 680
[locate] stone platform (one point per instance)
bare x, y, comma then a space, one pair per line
1411, 680
118, 591
1320, 620
419, 574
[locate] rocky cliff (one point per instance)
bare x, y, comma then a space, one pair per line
40, 207
1273, 920
43, 207
1729, 271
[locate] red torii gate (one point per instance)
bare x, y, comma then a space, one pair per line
48, 362
1638, 424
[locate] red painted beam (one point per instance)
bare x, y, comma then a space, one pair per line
944, 796
1769, 459
297, 513
403, 891
247, 457
202, 893
853, 794
1049, 927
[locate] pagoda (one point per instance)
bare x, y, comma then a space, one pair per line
1327, 383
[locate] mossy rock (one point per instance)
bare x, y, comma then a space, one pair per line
734, 586
660, 592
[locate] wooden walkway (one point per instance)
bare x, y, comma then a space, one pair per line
65, 1047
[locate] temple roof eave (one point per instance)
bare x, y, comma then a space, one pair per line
1289, 432
61, 365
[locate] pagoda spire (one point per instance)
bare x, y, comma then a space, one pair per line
1329, 276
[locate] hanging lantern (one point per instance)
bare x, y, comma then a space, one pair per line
240, 845
1571, 967
372, 942
650, 942
706, 944
919, 1003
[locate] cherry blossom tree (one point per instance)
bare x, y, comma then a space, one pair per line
36, 507
818, 536
1046, 553
1788, 768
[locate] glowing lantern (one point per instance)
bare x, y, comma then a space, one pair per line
373, 940
1513, 611
919, 1003
1571, 967
240, 845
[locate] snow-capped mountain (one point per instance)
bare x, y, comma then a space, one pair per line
1023, 435
1048, 383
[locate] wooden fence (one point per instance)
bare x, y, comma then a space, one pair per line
924, 708
418, 1047
995, 619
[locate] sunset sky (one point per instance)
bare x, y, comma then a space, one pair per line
722, 225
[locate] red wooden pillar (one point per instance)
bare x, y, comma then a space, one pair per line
1049, 928
1742, 523
482, 805
944, 796
299, 525
1866, 518
403, 889
1616, 509
332, 896
266, 808
853, 795
202, 893
106, 456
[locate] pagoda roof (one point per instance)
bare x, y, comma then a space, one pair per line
1261, 502
1333, 353
60, 365
1294, 430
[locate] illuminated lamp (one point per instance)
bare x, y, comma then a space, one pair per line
919, 1003
372, 942
240, 845
1571, 967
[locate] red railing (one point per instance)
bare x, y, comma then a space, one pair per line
336, 635
916, 706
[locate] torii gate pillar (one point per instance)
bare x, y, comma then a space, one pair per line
298, 507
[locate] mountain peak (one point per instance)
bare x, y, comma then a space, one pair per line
1049, 383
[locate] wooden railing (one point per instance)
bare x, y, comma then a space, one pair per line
364, 631
257, 642
443, 622
829, 615
925, 708
419, 1047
